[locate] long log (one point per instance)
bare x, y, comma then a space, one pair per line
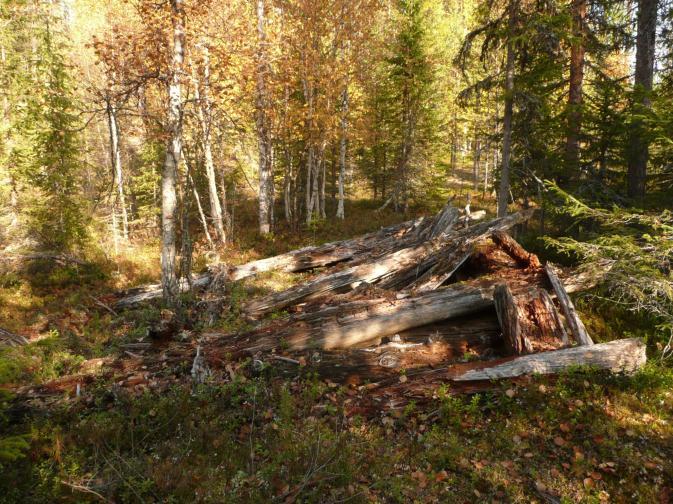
577, 328
358, 324
294, 261
619, 356
393, 270
373, 244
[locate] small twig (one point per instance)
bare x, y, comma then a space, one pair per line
84, 489
286, 359
103, 305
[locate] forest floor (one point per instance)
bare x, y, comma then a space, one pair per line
584, 436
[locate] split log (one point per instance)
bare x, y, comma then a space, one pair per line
12, 339
577, 328
437, 267
511, 320
307, 258
395, 269
515, 250
619, 356
435, 276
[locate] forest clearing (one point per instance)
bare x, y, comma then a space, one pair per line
336, 251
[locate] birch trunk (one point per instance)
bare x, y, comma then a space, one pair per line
265, 161
205, 118
342, 154
169, 281
115, 152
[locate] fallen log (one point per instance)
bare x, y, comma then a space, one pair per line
335, 328
529, 320
393, 270
619, 356
11, 339
515, 250
577, 328
307, 258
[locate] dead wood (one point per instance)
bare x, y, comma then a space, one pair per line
394, 270
11, 339
515, 250
512, 320
577, 328
619, 356
307, 258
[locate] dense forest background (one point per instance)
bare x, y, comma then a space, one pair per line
143, 141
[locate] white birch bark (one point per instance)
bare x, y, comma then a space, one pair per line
115, 152
265, 166
342, 154
169, 281
205, 118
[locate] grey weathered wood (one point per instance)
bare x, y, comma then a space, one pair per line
557, 324
510, 323
619, 356
303, 259
11, 339
358, 323
577, 328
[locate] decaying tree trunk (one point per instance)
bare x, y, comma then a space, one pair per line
515, 250
577, 328
511, 320
359, 323
619, 356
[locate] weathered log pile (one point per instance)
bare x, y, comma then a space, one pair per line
446, 303
394, 314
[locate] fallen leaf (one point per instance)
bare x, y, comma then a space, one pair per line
588, 483
441, 476
510, 393
564, 427
559, 441
541, 487
403, 379
596, 476
542, 389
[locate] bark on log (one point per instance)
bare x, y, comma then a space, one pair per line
515, 250
511, 321
619, 356
577, 328
12, 339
